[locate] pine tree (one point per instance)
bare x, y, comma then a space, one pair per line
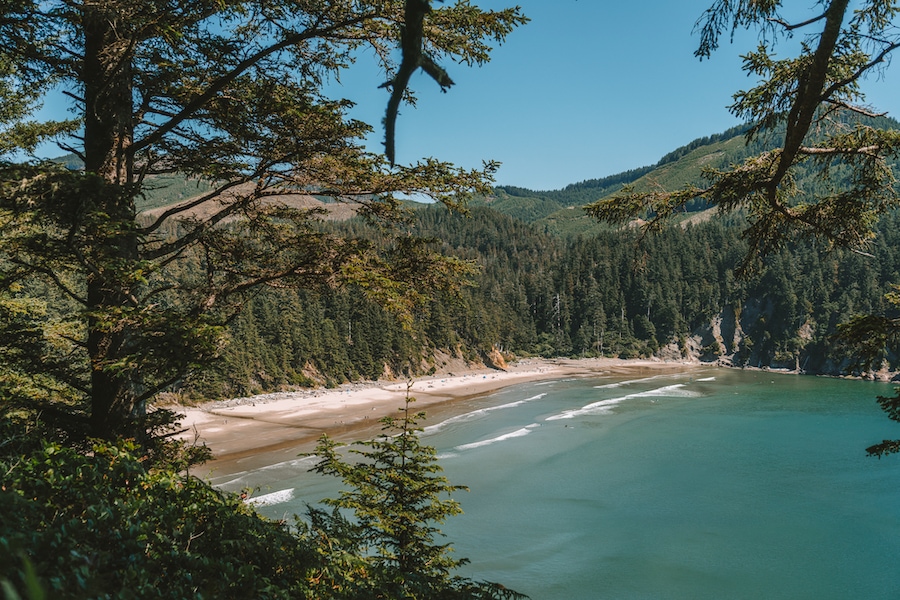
396, 495
810, 109
229, 92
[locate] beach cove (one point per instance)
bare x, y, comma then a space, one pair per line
247, 433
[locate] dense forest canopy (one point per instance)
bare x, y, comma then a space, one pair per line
677, 295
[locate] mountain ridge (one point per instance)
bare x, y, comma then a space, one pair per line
558, 211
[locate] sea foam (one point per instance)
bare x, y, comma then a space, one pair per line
500, 438
278, 497
475, 414
605, 406
628, 382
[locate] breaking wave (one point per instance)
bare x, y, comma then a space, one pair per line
605, 406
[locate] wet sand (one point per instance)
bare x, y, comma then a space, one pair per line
246, 433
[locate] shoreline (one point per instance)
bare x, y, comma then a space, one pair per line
247, 433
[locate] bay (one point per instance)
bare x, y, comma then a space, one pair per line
713, 483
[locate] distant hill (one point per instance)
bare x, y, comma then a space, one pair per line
556, 212
161, 190
559, 211
534, 206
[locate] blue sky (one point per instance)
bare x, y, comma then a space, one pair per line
588, 88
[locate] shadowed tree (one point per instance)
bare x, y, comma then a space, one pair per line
227, 92
396, 495
871, 338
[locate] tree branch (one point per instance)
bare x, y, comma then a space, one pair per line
411, 43
867, 150
217, 86
209, 222
809, 95
789, 27
856, 109
180, 208
54, 277
859, 73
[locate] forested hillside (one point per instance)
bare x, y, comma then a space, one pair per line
553, 282
558, 211
532, 205
676, 296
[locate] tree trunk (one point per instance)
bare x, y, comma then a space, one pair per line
809, 93
108, 133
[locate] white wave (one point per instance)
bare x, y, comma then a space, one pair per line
605, 406
676, 390
469, 416
607, 386
628, 382
235, 478
594, 408
707, 379
241, 479
305, 462
291, 464
278, 497
500, 438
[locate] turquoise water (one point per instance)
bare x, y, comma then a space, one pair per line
710, 484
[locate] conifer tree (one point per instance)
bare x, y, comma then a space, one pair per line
396, 495
229, 92
811, 108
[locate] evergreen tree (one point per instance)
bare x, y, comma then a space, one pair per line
811, 105
396, 496
229, 92
871, 337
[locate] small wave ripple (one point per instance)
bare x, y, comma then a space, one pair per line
469, 416
605, 406
278, 497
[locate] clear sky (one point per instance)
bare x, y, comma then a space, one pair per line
588, 88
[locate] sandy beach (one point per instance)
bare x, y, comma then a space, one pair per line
245, 433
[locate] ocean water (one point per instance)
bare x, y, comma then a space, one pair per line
710, 484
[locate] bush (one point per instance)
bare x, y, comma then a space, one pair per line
103, 525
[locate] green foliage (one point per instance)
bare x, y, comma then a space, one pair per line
110, 523
395, 494
808, 112
106, 525
230, 94
872, 338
